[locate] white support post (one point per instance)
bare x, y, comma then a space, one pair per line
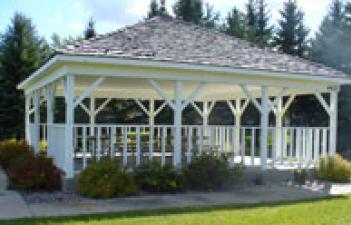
50, 103
69, 148
28, 102
333, 120
92, 116
278, 129
151, 113
36, 105
177, 151
264, 127
332, 110
237, 112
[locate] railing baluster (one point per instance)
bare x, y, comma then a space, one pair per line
125, 146
98, 153
324, 143
84, 145
253, 136
188, 156
291, 146
316, 144
112, 142
233, 143
243, 145
163, 147
137, 140
151, 142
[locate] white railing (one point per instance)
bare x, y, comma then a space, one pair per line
131, 144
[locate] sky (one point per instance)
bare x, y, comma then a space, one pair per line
69, 17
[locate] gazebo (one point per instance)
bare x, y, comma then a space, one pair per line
180, 64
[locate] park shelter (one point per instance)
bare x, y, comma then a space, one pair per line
181, 65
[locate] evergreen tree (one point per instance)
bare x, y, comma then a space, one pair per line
331, 47
59, 43
263, 30
90, 29
251, 21
210, 18
235, 23
291, 36
189, 10
21, 53
154, 9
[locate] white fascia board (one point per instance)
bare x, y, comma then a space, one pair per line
189, 66
175, 65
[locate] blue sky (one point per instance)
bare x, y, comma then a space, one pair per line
69, 17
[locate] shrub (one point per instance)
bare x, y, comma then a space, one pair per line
105, 179
11, 149
153, 177
210, 172
34, 173
334, 168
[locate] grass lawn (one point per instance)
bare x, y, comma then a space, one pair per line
333, 211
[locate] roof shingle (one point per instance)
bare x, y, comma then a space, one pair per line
166, 39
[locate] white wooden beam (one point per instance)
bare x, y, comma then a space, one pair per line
141, 105
193, 95
159, 90
323, 102
251, 97
102, 106
288, 103
89, 90
196, 107
160, 108
85, 108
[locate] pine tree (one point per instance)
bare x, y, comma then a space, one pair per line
251, 21
291, 36
263, 30
154, 9
331, 47
90, 29
235, 23
189, 10
210, 18
21, 53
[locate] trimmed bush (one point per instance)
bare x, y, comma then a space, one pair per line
34, 173
152, 177
334, 169
210, 172
27, 171
11, 149
105, 179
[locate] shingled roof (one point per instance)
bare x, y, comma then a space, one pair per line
167, 39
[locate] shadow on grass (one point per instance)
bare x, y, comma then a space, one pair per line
159, 212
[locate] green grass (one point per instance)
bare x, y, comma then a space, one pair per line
331, 211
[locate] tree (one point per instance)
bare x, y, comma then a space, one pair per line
263, 30
22, 51
235, 23
189, 10
153, 9
331, 46
89, 31
59, 43
251, 21
210, 17
291, 35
